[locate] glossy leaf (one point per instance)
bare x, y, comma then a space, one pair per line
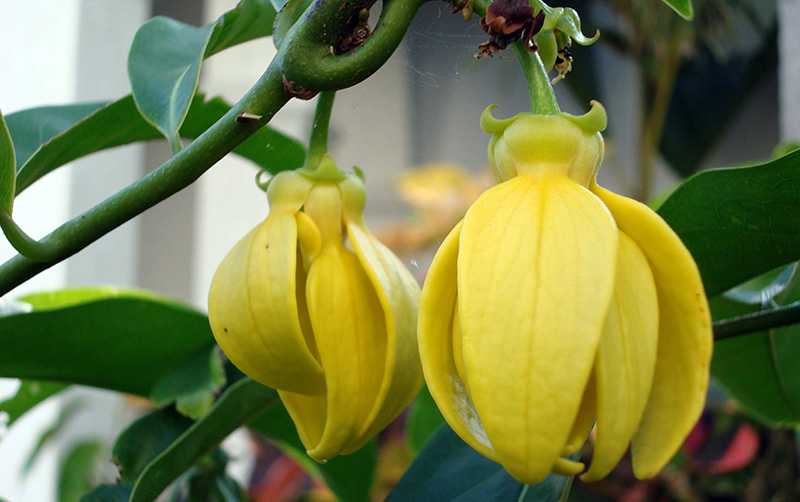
251, 19
50, 137
77, 471
424, 419
237, 406
278, 4
163, 68
192, 384
682, 7
147, 438
760, 369
166, 55
447, 469
349, 477
109, 493
119, 340
739, 222
29, 394
7, 168
208, 481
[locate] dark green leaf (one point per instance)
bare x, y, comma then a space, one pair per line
109, 493
146, 439
711, 91
119, 340
239, 404
447, 469
208, 482
77, 471
8, 173
741, 222
349, 477
50, 137
760, 369
30, 394
192, 384
163, 67
682, 7
424, 418
251, 19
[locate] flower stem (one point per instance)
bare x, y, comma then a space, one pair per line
757, 321
22, 242
543, 99
318, 142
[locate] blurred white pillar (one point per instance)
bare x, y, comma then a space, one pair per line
55, 52
789, 69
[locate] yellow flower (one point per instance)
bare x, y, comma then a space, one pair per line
555, 303
333, 329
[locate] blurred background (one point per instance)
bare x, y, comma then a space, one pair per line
681, 97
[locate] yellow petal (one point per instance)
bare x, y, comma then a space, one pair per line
685, 339
535, 277
585, 420
436, 307
398, 293
253, 309
626, 359
350, 332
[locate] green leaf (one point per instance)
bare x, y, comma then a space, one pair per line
50, 137
8, 174
147, 438
119, 340
163, 68
166, 55
192, 384
251, 19
740, 222
109, 493
30, 394
208, 481
424, 419
447, 469
760, 370
239, 404
77, 471
682, 7
349, 477
278, 4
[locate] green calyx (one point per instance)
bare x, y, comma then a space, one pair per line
538, 145
565, 20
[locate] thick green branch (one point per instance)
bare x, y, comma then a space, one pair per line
310, 62
265, 98
758, 321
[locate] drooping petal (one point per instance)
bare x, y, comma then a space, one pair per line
436, 308
398, 293
685, 338
253, 309
626, 359
584, 422
350, 332
535, 277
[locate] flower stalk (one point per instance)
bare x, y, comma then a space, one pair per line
318, 142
